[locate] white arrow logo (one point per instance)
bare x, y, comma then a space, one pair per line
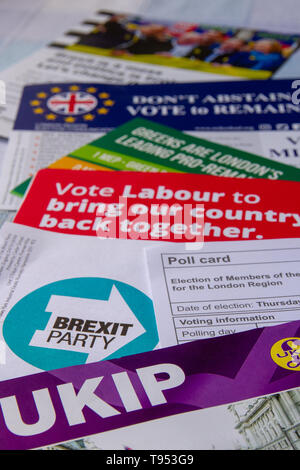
96, 327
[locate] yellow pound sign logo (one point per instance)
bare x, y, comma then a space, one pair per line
286, 353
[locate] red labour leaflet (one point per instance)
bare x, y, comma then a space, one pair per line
165, 207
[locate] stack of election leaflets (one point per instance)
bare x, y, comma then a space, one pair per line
111, 285
65, 327
150, 299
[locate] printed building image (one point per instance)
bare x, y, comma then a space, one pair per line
269, 423
80, 444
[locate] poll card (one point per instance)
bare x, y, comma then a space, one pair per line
224, 288
145, 146
178, 207
189, 396
111, 47
67, 300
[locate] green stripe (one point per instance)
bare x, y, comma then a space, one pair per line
118, 161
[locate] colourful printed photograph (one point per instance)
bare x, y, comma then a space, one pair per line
204, 48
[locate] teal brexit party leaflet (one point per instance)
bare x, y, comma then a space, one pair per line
80, 279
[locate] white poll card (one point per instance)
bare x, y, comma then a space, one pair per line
224, 288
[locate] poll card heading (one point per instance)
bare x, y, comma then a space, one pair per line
183, 208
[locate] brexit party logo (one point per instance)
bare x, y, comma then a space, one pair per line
78, 321
72, 104
286, 353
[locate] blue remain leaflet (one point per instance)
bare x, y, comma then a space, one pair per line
264, 105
